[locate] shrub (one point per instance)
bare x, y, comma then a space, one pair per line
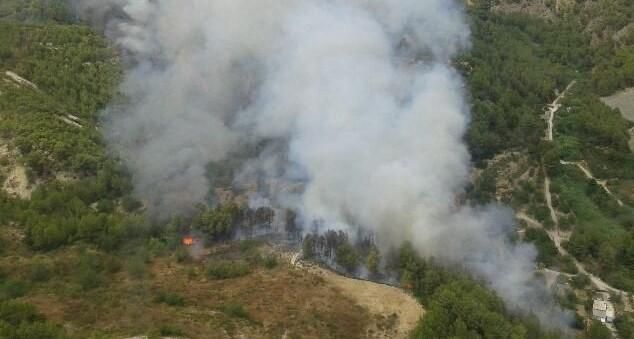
38, 330
567, 265
182, 255
580, 281
15, 313
130, 204
227, 269
625, 326
247, 246
136, 267
171, 299
112, 265
40, 272
170, 331
12, 289
88, 278
235, 310
270, 262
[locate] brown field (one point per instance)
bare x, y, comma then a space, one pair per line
282, 302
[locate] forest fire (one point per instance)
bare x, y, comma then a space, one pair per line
188, 240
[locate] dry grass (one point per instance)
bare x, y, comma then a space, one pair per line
395, 312
280, 302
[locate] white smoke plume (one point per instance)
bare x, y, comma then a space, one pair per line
362, 95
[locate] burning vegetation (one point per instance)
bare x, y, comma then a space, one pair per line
188, 240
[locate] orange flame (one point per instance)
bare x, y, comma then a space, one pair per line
188, 241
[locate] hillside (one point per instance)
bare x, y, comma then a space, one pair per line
80, 257
76, 247
572, 188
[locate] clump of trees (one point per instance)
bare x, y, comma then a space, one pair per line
457, 306
511, 76
35, 11
217, 222
22, 321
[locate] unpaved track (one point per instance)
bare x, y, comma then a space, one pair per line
557, 237
588, 174
555, 234
379, 299
20, 80
549, 200
552, 109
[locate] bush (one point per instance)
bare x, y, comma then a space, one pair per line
248, 246
567, 265
547, 252
170, 331
15, 313
580, 281
38, 330
625, 327
88, 278
235, 310
182, 255
40, 272
270, 262
112, 265
12, 289
136, 267
130, 204
227, 269
171, 299
598, 331
88, 273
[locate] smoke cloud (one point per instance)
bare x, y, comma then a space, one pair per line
359, 97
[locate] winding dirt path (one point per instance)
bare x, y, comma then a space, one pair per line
553, 108
557, 237
555, 234
549, 200
588, 174
20, 80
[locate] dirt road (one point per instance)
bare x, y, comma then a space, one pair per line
549, 201
588, 174
557, 237
555, 234
552, 109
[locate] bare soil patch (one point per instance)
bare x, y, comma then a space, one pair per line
13, 174
396, 312
624, 101
17, 183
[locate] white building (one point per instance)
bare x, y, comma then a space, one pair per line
603, 310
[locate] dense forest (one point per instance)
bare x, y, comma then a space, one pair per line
586, 42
